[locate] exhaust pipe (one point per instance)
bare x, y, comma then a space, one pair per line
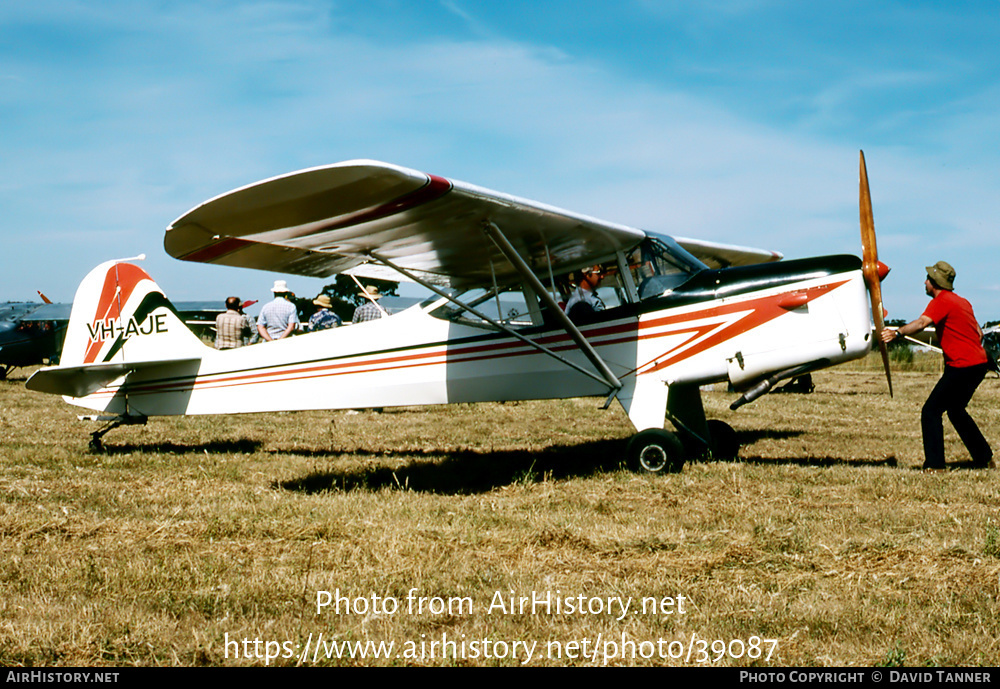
765, 386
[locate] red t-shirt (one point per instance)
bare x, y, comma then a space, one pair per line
957, 329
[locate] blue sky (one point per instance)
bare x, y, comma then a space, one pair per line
734, 121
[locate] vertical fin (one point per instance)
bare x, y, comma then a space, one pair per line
120, 315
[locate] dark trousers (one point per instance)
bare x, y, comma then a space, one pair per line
952, 395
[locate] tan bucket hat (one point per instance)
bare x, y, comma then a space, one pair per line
942, 275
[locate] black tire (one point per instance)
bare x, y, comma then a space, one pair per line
655, 451
724, 441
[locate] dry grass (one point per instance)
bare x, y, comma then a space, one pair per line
191, 529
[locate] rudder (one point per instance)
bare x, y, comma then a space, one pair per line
120, 315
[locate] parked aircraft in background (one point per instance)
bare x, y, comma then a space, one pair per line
30, 334
991, 343
677, 313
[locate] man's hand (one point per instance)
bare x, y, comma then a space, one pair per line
889, 334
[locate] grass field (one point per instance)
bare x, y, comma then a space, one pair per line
203, 541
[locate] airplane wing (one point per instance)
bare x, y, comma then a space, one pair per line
326, 220
187, 309
48, 312
726, 255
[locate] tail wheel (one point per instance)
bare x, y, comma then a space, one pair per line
724, 441
656, 451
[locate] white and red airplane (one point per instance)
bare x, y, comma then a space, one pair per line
679, 313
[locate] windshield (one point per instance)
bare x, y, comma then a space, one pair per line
660, 265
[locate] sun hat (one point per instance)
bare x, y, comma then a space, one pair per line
942, 275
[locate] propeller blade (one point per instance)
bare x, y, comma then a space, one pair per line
869, 267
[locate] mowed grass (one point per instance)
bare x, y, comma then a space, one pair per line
190, 532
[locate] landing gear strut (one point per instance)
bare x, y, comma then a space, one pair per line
96, 444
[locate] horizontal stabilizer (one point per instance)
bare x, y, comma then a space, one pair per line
80, 381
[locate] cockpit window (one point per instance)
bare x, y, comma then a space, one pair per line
507, 306
660, 265
655, 267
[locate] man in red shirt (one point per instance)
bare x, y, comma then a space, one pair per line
965, 366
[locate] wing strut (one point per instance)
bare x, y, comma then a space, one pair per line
507, 249
500, 326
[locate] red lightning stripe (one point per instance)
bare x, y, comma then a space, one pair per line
119, 283
761, 311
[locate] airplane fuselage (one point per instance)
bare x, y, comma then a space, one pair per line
738, 325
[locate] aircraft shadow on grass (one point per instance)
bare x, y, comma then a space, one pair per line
464, 472
822, 461
242, 446
748, 437
467, 471
479, 471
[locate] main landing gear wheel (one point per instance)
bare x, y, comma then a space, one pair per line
655, 451
724, 441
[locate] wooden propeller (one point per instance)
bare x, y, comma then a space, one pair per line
870, 266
